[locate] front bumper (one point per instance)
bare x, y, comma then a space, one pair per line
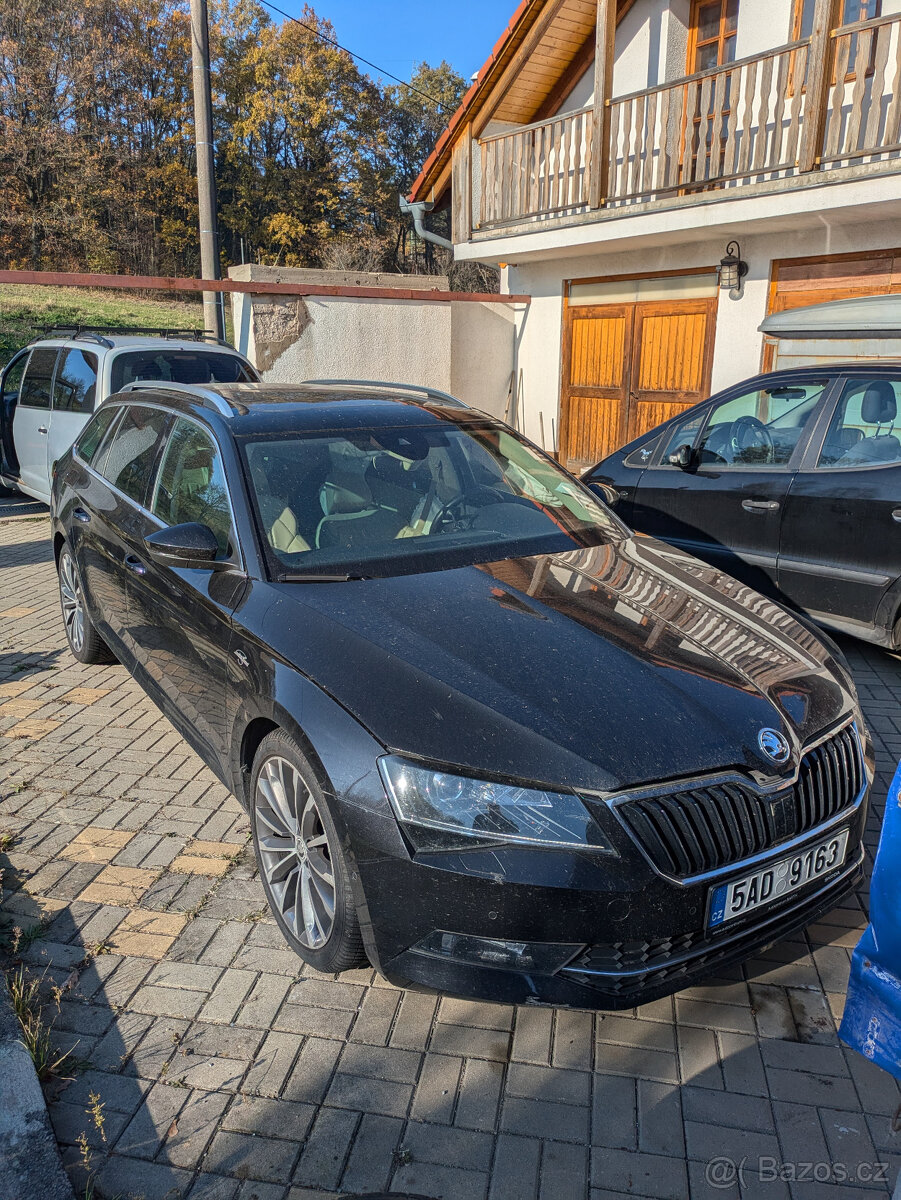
633, 933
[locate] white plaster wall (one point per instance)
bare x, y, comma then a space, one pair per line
739, 344
353, 338
651, 43
763, 25
462, 347
482, 353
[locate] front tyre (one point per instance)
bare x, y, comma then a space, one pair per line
304, 872
84, 641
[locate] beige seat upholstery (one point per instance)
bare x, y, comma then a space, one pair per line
283, 534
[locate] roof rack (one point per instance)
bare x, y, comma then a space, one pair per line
432, 393
95, 332
195, 391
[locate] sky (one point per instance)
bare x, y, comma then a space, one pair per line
395, 34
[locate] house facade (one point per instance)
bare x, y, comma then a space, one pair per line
610, 156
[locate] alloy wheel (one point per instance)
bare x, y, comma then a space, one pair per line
295, 855
70, 595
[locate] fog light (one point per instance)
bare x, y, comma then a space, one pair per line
545, 957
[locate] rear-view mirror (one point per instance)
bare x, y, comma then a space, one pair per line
187, 545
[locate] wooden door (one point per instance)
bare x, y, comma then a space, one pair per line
627, 368
671, 361
597, 354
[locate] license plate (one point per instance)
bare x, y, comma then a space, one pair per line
734, 899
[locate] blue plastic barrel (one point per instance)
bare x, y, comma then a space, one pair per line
872, 1019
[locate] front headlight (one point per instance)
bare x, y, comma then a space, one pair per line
491, 812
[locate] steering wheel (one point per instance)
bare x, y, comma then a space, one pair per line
745, 432
451, 514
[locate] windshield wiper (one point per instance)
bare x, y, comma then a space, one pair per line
309, 577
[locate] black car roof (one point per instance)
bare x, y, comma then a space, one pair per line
252, 408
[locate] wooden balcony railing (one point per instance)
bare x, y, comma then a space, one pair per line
540, 168
748, 122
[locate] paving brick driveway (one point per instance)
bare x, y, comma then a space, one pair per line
227, 1070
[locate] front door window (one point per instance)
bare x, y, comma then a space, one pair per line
759, 428
190, 484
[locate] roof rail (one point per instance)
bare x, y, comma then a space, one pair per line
80, 331
432, 393
195, 391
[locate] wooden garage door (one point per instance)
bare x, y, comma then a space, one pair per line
800, 282
628, 367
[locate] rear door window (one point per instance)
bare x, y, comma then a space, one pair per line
75, 385
35, 389
864, 430
133, 450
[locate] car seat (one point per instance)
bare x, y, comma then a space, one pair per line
878, 407
350, 520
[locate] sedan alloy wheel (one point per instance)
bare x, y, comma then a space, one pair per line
295, 854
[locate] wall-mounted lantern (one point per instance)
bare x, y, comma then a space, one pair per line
732, 271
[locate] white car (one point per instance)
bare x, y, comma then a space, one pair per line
49, 390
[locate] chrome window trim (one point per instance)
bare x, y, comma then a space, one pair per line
701, 781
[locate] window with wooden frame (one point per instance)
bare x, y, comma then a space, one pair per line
713, 27
711, 43
850, 12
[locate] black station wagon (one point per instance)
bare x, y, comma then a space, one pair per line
489, 741
791, 482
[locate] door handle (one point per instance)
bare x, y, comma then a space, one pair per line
760, 506
134, 564
896, 515
42, 429
80, 515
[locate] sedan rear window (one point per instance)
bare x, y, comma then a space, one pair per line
178, 366
385, 501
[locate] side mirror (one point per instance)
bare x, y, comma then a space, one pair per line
187, 545
607, 493
684, 458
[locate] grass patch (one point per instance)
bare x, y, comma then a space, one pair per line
50, 1063
7, 839
25, 310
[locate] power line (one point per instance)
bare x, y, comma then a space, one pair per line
324, 37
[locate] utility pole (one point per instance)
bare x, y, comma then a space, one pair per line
213, 317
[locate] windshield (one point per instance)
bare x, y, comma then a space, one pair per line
388, 501
178, 366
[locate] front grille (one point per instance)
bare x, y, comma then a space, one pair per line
706, 828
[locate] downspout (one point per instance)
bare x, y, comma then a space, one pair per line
417, 210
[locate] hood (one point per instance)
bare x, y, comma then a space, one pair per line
599, 669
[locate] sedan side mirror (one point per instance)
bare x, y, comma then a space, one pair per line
607, 493
684, 458
187, 545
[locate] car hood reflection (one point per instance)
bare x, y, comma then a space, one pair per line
598, 669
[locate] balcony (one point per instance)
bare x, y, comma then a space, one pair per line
829, 101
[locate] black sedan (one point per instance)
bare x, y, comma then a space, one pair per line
489, 741
791, 482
